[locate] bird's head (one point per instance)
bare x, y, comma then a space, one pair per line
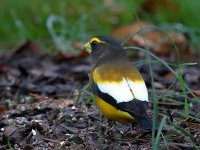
104, 50
101, 43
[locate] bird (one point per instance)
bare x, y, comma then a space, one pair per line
118, 88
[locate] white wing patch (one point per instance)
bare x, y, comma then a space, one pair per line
139, 90
121, 92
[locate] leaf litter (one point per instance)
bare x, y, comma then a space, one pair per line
39, 109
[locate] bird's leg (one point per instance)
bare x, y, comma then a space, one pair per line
110, 127
135, 126
128, 130
138, 132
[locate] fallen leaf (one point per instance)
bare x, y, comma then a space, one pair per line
196, 93
150, 6
71, 55
169, 75
28, 46
12, 134
1, 69
40, 97
2, 109
121, 33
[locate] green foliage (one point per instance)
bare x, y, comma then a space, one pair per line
184, 92
9, 145
177, 15
184, 12
85, 92
22, 19
155, 98
157, 142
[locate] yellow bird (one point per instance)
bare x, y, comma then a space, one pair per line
119, 89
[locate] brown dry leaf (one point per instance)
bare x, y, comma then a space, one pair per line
12, 134
2, 109
29, 46
71, 55
123, 32
196, 93
151, 6
169, 75
1, 69
40, 97
160, 43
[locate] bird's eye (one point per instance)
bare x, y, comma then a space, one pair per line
94, 42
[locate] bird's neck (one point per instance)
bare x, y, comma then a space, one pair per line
109, 62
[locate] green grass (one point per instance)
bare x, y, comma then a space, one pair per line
79, 20
9, 145
151, 60
23, 19
179, 16
159, 137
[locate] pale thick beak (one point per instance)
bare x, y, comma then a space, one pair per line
87, 47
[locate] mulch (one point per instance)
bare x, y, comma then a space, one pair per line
40, 107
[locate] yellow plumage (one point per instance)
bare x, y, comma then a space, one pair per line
114, 74
111, 113
118, 87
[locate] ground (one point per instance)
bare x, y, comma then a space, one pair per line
42, 108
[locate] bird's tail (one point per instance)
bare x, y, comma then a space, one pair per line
145, 123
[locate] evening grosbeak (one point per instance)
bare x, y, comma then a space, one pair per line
117, 86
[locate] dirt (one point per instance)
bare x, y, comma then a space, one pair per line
40, 107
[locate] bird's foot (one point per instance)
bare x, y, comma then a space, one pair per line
110, 127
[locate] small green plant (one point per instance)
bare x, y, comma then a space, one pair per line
155, 98
85, 92
9, 145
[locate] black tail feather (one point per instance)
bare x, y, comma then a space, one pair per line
145, 123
